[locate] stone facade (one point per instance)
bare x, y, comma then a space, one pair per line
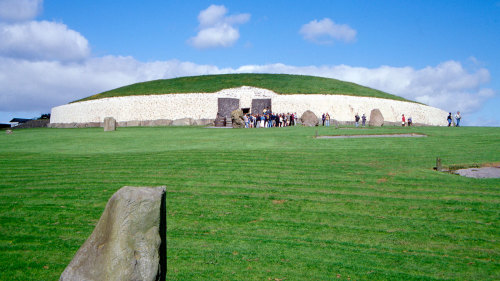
135, 110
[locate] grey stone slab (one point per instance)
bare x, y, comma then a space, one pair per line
126, 243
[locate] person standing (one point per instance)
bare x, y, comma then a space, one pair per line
403, 121
245, 118
363, 120
327, 119
323, 118
457, 118
449, 118
410, 121
356, 119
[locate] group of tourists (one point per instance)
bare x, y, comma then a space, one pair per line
403, 121
269, 119
457, 118
357, 118
326, 119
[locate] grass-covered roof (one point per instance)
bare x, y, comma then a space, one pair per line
279, 83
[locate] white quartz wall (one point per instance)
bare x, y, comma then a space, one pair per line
204, 106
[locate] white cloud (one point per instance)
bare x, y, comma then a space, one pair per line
326, 31
40, 85
19, 10
42, 40
216, 29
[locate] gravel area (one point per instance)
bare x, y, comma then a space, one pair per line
373, 136
480, 173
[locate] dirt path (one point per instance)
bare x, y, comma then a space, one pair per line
374, 136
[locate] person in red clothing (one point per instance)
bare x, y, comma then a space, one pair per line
403, 119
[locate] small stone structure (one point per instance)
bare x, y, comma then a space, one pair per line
128, 242
376, 118
237, 118
309, 119
109, 124
41, 123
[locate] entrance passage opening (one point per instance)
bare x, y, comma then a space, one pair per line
245, 110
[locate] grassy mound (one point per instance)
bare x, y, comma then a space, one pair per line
260, 204
279, 83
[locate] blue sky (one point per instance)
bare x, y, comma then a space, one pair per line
442, 53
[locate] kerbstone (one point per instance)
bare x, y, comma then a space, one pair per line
309, 119
237, 118
182, 122
203, 122
125, 244
376, 118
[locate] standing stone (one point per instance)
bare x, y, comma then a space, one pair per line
309, 119
126, 243
376, 118
109, 124
237, 118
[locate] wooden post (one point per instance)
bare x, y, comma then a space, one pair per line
438, 164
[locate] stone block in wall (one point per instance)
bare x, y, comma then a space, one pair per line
162, 122
121, 124
203, 122
182, 122
147, 123
109, 124
133, 123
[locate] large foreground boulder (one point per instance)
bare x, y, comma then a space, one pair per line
309, 119
376, 118
237, 118
126, 243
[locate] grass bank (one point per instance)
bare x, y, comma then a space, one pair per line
279, 83
260, 204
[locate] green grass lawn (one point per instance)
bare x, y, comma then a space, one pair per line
260, 204
279, 83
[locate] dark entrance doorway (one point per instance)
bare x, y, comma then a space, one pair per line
258, 105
